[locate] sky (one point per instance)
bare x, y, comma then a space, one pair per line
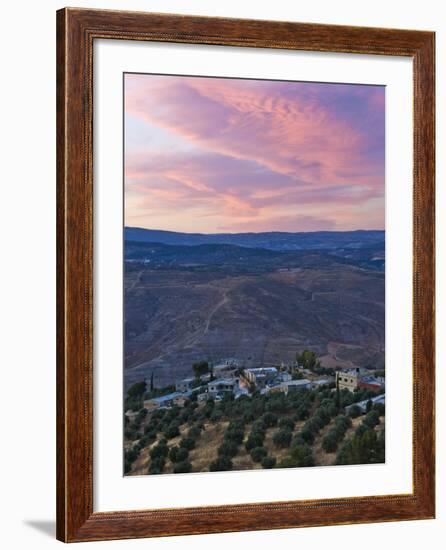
214, 155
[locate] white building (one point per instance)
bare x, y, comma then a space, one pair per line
222, 385
261, 376
292, 385
363, 404
186, 384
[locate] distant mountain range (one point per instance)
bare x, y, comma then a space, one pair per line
248, 251
279, 241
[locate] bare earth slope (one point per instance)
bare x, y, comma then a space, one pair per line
177, 313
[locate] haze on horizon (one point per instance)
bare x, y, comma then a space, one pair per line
128, 227
213, 155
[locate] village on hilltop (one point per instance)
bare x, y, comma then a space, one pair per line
226, 416
229, 377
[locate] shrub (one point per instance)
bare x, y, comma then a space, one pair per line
228, 448
223, 463
157, 465
182, 467
302, 413
172, 431
354, 411
188, 443
144, 441
323, 416
380, 408
131, 433
258, 454
364, 448
330, 442
287, 462
282, 438
194, 432
132, 454
307, 435
173, 452
314, 424
343, 423
268, 462
269, 420
248, 416
254, 440
277, 402
178, 454
150, 430
371, 419
215, 415
234, 434
258, 426
302, 455
159, 450
286, 422
361, 429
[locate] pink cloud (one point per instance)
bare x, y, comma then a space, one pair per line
259, 145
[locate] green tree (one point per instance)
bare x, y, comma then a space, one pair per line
228, 448
307, 359
269, 420
302, 455
258, 454
255, 439
268, 462
178, 454
235, 432
354, 411
343, 423
200, 368
137, 390
173, 430
286, 422
221, 464
282, 438
371, 419
287, 462
380, 408
307, 435
183, 467
364, 448
157, 465
330, 442
159, 450
188, 442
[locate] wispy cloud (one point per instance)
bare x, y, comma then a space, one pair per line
287, 154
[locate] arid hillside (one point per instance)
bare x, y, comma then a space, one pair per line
178, 314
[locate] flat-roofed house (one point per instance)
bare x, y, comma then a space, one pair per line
222, 385
372, 383
363, 404
162, 401
186, 384
226, 369
347, 380
261, 376
292, 385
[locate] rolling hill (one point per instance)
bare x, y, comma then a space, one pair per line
186, 302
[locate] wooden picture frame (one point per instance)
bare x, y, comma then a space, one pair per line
76, 31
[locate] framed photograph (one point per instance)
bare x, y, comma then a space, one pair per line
245, 275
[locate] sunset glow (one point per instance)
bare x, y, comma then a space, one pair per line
217, 155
